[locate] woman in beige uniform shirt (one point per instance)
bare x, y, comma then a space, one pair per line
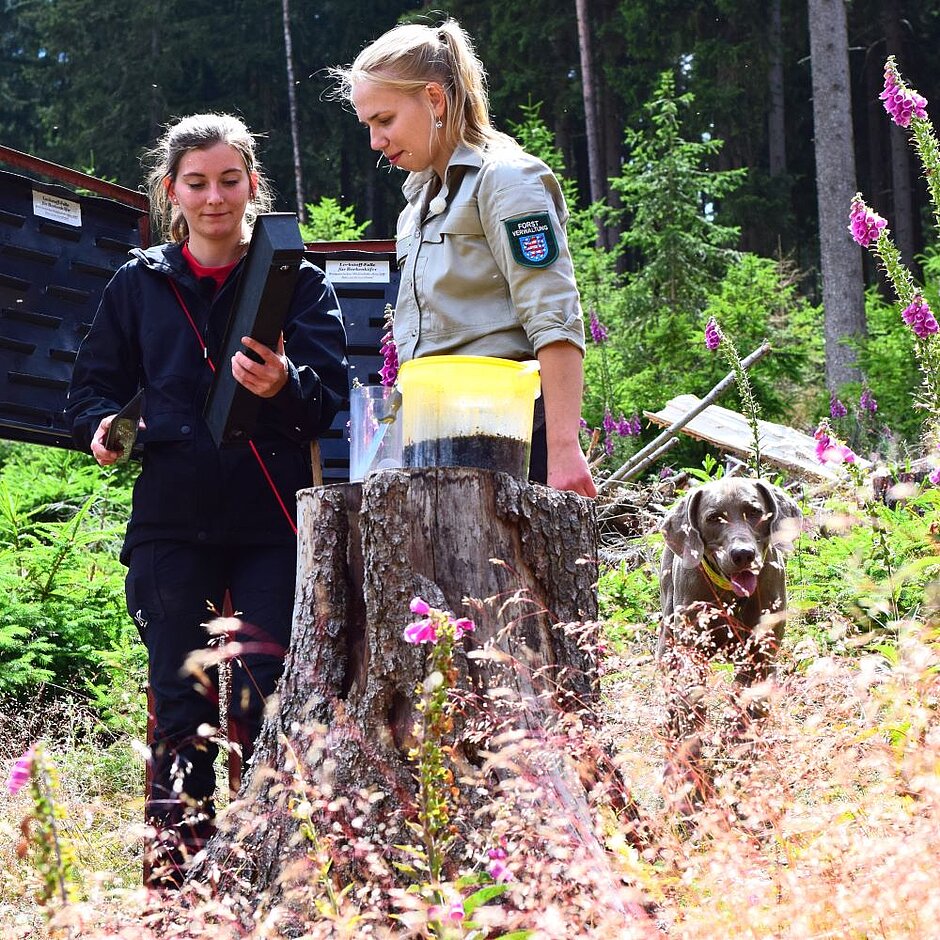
485, 266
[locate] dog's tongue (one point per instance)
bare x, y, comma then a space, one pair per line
744, 583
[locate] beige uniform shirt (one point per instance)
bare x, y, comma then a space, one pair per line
485, 266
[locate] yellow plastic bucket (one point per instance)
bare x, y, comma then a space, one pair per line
468, 411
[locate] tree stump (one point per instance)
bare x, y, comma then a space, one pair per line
520, 560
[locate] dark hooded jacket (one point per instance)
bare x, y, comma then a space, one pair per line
188, 488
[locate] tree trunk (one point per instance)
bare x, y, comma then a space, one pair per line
519, 560
157, 105
876, 169
613, 136
292, 103
902, 195
840, 257
589, 96
776, 117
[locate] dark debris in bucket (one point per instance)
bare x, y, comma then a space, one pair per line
489, 452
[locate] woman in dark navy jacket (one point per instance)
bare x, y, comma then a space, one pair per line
206, 520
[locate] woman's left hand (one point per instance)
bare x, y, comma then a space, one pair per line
265, 379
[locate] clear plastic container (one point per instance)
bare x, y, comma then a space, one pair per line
375, 429
468, 411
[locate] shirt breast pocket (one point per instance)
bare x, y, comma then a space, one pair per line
403, 248
458, 243
462, 222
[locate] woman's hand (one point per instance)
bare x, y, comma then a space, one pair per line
101, 453
265, 379
562, 383
568, 470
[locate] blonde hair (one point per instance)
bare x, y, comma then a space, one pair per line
408, 57
199, 132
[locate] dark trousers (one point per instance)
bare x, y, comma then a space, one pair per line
170, 587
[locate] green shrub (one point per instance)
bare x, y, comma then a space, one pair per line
63, 623
328, 221
854, 583
628, 602
886, 356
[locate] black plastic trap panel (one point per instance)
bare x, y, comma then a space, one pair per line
58, 250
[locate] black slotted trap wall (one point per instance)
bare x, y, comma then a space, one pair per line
58, 250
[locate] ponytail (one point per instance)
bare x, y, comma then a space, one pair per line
408, 57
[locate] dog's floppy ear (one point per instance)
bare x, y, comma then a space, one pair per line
786, 521
680, 529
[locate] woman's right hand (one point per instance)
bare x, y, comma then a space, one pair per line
101, 453
568, 470
562, 385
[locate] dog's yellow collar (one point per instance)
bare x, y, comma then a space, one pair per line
716, 578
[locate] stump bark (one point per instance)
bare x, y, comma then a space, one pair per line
520, 560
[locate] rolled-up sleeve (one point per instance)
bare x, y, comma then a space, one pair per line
524, 216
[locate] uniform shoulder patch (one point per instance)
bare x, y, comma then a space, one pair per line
532, 240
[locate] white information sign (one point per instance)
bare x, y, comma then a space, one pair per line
56, 208
368, 271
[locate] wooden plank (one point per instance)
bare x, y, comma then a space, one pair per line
729, 430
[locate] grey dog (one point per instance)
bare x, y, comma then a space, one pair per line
723, 589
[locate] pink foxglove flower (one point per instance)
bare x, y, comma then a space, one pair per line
421, 631
609, 424
598, 330
453, 913
19, 773
836, 408
868, 402
830, 449
629, 427
919, 317
865, 224
389, 371
463, 626
901, 103
425, 630
713, 334
497, 868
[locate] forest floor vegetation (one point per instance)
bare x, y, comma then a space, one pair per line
829, 826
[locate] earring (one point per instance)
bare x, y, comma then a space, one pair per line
439, 124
